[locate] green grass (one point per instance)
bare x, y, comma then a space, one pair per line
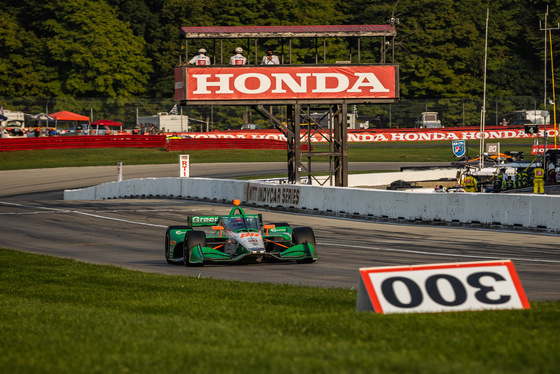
129, 156
62, 316
357, 152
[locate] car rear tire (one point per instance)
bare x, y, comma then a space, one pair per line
302, 235
192, 239
178, 249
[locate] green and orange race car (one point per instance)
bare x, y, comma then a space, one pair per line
237, 237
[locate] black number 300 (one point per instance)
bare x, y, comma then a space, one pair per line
431, 284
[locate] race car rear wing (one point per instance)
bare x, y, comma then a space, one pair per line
197, 221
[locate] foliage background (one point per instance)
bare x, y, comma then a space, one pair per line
114, 57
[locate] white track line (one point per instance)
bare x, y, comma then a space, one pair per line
437, 254
58, 210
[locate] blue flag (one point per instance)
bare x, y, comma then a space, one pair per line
459, 148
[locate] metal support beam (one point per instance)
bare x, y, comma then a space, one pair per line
341, 146
291, 149
335, 135
297, 144
272, 119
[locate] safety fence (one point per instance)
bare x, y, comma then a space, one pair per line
269, 139
226, 143
91, 141
136, 141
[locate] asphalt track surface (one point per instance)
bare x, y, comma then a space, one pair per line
130, 233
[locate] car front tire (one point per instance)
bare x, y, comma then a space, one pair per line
178, 248
302, 235
192, 240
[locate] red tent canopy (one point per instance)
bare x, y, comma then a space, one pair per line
106, 122
68, 116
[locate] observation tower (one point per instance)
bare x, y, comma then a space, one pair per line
300, 87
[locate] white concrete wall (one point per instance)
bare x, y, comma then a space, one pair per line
528, 211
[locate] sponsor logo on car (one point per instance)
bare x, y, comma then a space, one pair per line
201, 219
247, 234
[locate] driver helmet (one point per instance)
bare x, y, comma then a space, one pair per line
202, 51
239, 50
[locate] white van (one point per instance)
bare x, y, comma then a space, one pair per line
428, 120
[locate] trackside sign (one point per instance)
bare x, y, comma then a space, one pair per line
441, 288
184, 166
276, 195
286, 83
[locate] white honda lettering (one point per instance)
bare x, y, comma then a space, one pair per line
202, 84
397, 137
368, 80
342, 82
469, 135
240, 83
257, 83
289, 81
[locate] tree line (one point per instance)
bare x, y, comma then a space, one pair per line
121, 53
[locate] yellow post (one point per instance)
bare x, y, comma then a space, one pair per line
553, 92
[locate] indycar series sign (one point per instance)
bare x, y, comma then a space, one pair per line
441, 288
270, 194
286, 83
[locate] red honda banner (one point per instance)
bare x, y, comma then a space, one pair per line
382, 135
540, 148
289, 82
